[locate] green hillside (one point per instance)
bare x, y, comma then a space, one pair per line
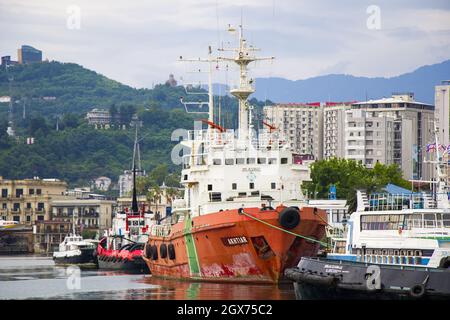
77, 152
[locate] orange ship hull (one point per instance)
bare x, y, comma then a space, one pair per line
229, 246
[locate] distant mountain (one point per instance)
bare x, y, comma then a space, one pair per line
340, 87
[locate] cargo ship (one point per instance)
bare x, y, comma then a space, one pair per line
243, 217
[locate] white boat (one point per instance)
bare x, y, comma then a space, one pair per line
75, 250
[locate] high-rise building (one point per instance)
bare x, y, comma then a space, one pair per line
301, 124
400, 126
333, 129
442, 105
369, 137
28, 54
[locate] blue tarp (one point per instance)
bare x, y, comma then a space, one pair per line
393, 189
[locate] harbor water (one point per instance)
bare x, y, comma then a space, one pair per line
37, 277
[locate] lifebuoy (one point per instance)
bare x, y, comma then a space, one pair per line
289, 218
171, 251
417, 291
163, 250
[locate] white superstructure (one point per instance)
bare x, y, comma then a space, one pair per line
230, 169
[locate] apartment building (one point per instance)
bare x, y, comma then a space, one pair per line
333, 129
29, 201
369, 137
301, 124
391, 130
442, 105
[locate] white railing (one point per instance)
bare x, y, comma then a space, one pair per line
160, 230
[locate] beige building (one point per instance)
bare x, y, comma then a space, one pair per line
91, 214
28, 201
442, 105
301, 124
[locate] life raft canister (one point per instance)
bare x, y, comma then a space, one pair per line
163, 250
289, 218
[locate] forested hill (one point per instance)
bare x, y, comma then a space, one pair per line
53, 92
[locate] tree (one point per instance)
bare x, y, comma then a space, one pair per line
349, 176
159, 174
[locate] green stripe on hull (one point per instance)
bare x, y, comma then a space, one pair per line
194, 265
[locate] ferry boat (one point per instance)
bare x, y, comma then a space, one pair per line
243, 216
397, 246
5, 224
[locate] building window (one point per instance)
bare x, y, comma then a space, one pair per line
31, 192
4, 207
251, 185
16, 218
16, 206
28, 218
28, 205
40, 206
210, 187
38, 191
234, 186
40, 218
4, 193
19, 193
273, 185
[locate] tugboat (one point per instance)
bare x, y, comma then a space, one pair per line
242, 218
397, 247
75, 250
122, 248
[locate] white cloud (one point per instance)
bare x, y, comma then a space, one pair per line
138, 42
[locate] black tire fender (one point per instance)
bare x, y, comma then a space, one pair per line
171, 251
163, 251
417, 291
289, 218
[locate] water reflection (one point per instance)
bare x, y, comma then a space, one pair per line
35, 277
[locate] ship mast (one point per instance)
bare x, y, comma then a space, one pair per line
244, 56
441, 190
134, 204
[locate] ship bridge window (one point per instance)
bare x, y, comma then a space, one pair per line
210, 187
217, 162
251, 185
272, 160
229, 162
382, 222
284, 160
251, 160
261, 160
240, 160
273, 185
446, 220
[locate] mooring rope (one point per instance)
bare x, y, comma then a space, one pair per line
287, 231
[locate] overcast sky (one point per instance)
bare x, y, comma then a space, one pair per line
138, 42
